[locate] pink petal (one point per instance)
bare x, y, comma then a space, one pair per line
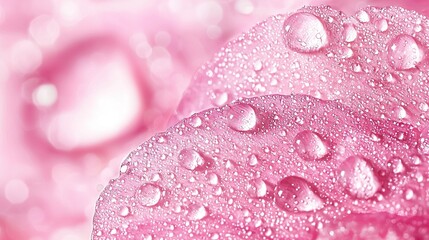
209, 177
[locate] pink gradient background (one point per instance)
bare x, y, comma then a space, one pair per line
83, 82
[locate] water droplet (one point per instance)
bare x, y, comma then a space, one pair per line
382, 25
358, 178
362, 16
190, 159
195, 121
197, 212
242, 117
213, 179
148, 195
396, 165
124, 211
400, 112
252, 160
257, 65
404, 52
305, 33
409, 194
257, 188
309, 146
293, 194
350, 33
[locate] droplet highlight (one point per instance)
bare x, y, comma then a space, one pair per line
358, 178
242, 117
197, 212
257, 188
305, 33
404, 52
310, 146
293, 194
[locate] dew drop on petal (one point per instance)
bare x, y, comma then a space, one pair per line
404, 52
190, 159
242, 117
350, 33
309, 146
252, 160
362, 16
358, 178
293, 194
148, 195
256, 188
197, 212
423, 143
195, 121
397, 165
304, 32
124, 211
382, 25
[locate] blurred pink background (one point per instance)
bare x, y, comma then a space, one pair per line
83, 82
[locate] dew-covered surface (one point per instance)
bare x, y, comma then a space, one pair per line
374, 61
271, 167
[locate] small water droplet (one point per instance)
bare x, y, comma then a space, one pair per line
362, 16
401, 112
252, 160
190, 159
242, 117
358, 178
304, 32
257, 188
310, 146
416, 160
195, 121
396, 165
423, 143
213, 179
293, 194
350, 33
382, 25
148, 195
424, 107
197, 212
124, 211
257, 65
404, 52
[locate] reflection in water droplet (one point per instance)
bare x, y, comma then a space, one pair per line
350, 33
256, 188
305, 33
309, 146
148, 195
362, 16
252, 160
190, 159
242, 117
124, 211
404, 52
358, 178
293, 194
197, 212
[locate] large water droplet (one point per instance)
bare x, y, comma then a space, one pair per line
293, 194
197, 212
148, 195
242, 117
190, 159
257, 188
305, 33
309, 146
404, 52
358, 178
362, 16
